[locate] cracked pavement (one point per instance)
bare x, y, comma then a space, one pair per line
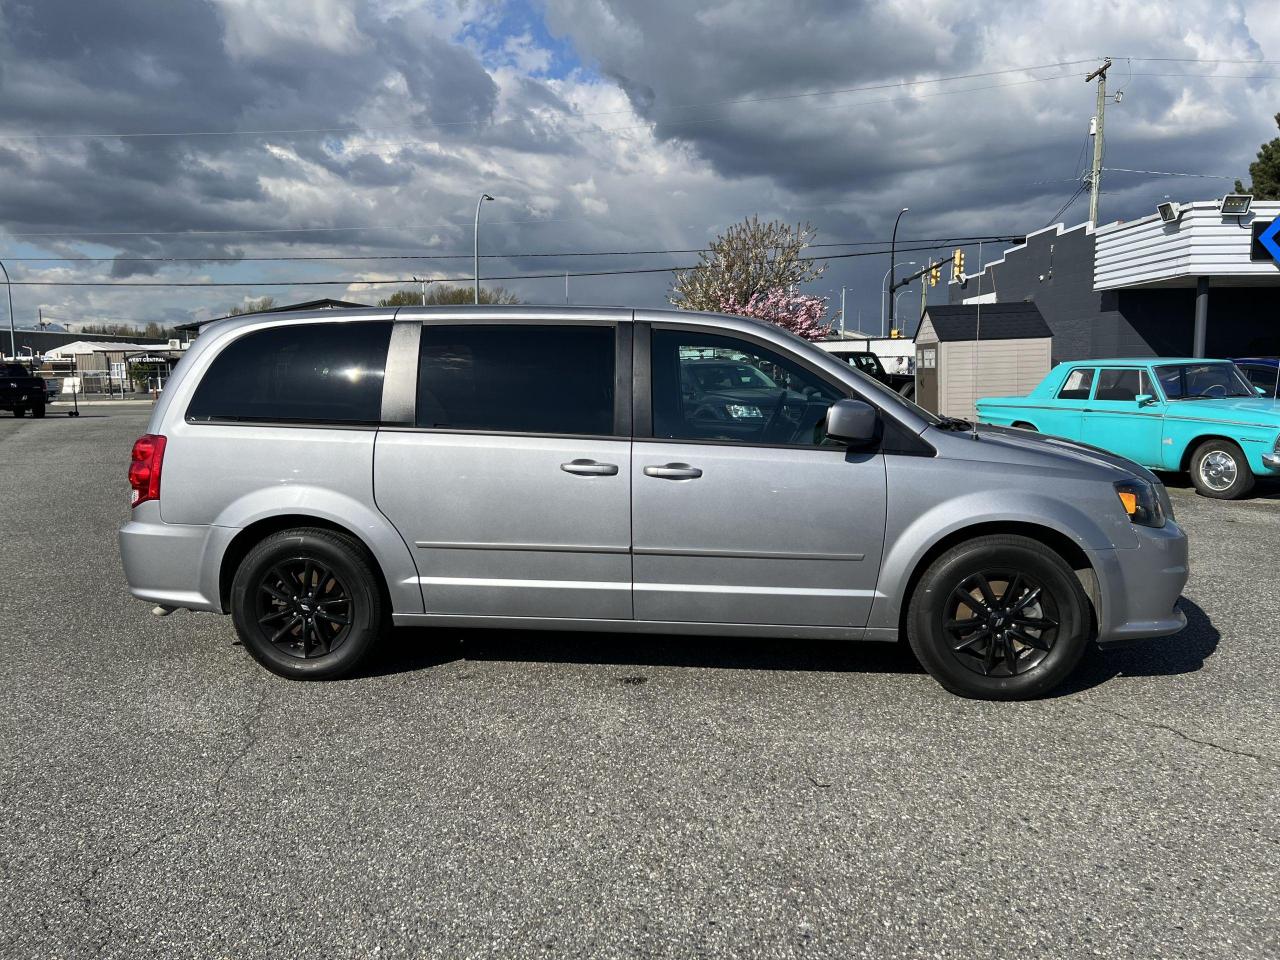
540, 795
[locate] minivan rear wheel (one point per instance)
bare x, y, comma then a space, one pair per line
307, 603
999, 618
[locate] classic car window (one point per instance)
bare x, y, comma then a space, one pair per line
1203, 381
1122, 384
1264, 377
1077, 385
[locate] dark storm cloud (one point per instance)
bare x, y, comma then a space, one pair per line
164, 66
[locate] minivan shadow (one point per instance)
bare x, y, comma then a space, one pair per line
409, 649
1185, 652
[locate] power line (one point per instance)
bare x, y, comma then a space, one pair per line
452, 256
449, 123
1167, 173
404, 280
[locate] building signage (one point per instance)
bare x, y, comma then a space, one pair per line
1266, 241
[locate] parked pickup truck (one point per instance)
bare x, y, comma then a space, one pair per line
869, 363
20, 391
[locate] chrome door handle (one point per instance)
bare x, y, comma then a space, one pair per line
673, 471
590, 468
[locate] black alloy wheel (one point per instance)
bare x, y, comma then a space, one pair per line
999, 617
1000, 622
309, 603
304, 610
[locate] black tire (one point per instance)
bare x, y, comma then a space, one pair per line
38, 411
1029, 590
288, 598
1219, 470
19, 411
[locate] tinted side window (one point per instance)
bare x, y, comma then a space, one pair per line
300, 373
518, 378
708, 387
1122, 384
1077, 384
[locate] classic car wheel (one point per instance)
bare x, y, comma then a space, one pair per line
1219, 470
999, 618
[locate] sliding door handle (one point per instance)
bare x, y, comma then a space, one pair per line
673, 471
590, 468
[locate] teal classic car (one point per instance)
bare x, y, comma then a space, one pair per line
1201, 416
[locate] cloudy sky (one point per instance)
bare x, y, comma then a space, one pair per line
234, 129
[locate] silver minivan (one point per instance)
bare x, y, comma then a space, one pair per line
321, 476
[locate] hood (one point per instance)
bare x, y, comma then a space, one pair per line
1259, 411
1041, 450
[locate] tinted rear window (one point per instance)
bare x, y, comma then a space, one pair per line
301, 373
518, 378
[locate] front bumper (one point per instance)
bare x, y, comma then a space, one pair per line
1271, 461
1139, 587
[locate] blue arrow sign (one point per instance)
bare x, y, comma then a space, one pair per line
1270, 239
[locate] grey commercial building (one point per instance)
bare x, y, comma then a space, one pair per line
1198, 285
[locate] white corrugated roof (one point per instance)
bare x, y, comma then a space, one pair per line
101, 346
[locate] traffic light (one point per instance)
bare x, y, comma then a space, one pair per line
935, 274
957, 265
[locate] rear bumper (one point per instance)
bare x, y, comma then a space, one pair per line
1139, 587
173, 564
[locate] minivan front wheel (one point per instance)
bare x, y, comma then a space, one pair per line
999, 618
307, 603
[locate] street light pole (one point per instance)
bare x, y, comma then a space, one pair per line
904, 290
13, 336
884, 283
483, 198
893, 250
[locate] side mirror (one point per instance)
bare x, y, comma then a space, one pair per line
852, 421
1144, 399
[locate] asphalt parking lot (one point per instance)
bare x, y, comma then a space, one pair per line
524, 795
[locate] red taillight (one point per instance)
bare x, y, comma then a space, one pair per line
144, 468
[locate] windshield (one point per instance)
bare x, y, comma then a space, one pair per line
1203, 381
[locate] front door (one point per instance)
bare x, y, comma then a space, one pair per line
1114, 421
742, 511
513, 488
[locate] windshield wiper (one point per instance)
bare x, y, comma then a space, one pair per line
954, 423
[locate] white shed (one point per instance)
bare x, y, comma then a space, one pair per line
967, 351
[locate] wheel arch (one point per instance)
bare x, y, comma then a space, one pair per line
259, 530
1025, 425
1184, 462
1055, 540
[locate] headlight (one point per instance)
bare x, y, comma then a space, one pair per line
743, 411
1140, 502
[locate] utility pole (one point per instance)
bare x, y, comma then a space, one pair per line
1095, 177
424, 288
842, 313
13, 336
924, 287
